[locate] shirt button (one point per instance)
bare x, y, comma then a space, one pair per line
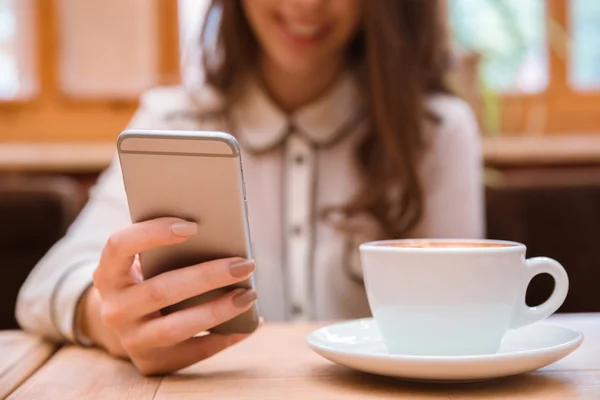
296, 310
297, 230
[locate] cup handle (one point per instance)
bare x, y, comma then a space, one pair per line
525, 315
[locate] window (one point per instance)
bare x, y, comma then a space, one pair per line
537, 63
9, 74
100, 60
73, 70
17, 80
191, 18
510, 35
584, 72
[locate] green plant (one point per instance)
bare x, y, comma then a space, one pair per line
503, 33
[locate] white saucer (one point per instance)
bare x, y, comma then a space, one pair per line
358, 345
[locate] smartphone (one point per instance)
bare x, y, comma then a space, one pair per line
196, 176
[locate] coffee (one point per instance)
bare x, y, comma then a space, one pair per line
424, 244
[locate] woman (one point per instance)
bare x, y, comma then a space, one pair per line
348, 133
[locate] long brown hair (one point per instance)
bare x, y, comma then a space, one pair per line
401, 55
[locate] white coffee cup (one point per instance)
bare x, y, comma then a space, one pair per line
448, 297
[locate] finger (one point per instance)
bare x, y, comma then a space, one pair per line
178, 285
181, 325
122, 246
186, 353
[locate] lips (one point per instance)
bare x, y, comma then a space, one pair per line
303, 30
305, 33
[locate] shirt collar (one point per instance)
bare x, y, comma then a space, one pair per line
260, 125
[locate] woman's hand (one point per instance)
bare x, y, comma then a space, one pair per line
121, 311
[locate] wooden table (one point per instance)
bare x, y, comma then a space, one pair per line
20, 356
275, 363
531, 151
56, 157
503, 151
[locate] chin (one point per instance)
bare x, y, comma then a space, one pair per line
298, 65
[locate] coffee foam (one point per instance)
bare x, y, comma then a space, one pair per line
445, 244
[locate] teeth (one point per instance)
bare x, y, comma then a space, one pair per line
302, 29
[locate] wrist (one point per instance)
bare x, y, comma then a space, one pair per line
87, 325
93, 327
79, 327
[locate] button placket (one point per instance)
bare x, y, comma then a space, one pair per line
300, 164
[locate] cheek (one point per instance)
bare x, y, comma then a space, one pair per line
349, 14
259, 15
259, 12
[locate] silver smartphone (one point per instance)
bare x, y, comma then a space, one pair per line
197, 176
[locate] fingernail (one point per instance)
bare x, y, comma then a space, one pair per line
241, 268
184, 228
244, 298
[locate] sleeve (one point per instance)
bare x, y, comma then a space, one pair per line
48, 299
453, 185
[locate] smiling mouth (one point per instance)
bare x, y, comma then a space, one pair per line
307, 33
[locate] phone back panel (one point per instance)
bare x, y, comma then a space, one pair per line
196, 176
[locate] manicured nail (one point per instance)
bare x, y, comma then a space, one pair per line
242, 268
184, 228
242, 299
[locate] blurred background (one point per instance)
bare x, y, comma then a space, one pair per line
71, 72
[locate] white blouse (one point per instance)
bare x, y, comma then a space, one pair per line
294, 167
